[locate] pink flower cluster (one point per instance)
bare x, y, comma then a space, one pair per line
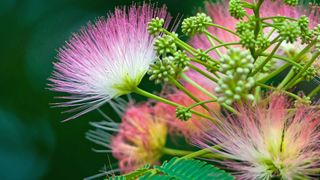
106, 59
267, 140
141, 137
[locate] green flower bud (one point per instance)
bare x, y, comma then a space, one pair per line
247, 39
309, 74
165, 45
243, 26
267, 68
306, 34
212, 66
181, 59
236, 10
289, 31
202, 56
303, 22
305, 100
262, 42
161, 70
183, 113
155, 26
237, 65
316, 30
291, 2
235, 59
195, 24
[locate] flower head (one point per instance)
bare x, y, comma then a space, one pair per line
220, 15
141, 137
106, 59
268, 140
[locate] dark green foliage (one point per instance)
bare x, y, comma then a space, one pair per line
134, 174
184, 169
192, 169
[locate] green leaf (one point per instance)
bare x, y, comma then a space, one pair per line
177, 169
134, 174
187, 169
151, 176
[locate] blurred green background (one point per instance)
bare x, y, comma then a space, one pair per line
34, 143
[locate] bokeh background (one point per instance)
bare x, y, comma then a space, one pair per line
34, 143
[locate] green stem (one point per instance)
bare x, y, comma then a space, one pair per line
275, 17
166, 101
222, 45
183, 89
273, 88
257, 93
203, 73
183, 153
205, 64
199, 153
270, 33
213, 37
201, 103
314, 91
187, 79
247, 5
286, 79
214, 44
305, 68
190, 81
274, 73
222, 27
256, 12
266, 60
182, 44
305, 50
296, 82
285, 60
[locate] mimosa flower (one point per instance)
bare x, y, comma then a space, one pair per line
106, 59
268, 141
141, 137
220, 15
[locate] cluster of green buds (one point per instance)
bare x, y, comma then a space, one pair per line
305, 100
248, 25
308, 74
195, 24
291, 2
236, 10
237, 65
155, 26
306, 33
181, 59
268, 67
290, 31
248, 40
183, 113
162, 69
171, 60
165, 45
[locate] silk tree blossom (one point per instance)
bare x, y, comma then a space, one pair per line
106, 59
141, 137
268, 141
137, 140
220, 15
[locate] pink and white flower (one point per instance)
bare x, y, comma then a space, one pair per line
269, 140
220, 15
106, 59
141, 137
